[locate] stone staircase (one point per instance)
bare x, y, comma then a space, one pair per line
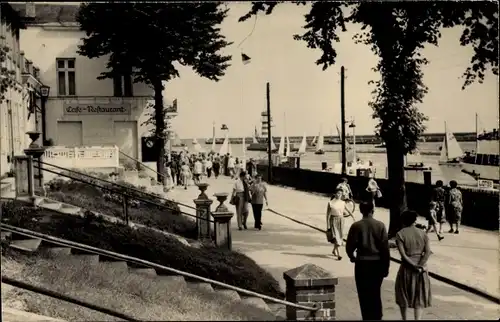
63, 254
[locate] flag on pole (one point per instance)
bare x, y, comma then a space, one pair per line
245, 59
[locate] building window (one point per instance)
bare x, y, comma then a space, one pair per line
66, 83
122, 86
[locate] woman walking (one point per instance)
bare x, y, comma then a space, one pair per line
259, 194
455, 206
335, 213
216, 166
373, 189
186, 174
413, 287
240, 198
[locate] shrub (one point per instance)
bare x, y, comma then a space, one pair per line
218, 264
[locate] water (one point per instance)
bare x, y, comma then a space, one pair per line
332, 155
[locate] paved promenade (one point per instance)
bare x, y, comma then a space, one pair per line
471, 258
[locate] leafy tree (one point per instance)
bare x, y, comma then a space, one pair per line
397, 32
148, 40
7, 77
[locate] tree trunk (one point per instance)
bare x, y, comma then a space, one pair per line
395, 167
159, 131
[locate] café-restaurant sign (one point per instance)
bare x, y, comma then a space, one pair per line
96, 109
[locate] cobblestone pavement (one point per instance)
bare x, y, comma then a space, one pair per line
471, 257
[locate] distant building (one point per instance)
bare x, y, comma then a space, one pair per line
20, 106
82, 110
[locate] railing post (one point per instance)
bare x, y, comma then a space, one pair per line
203, 204
222, 226
310, 285
25, 180
125, 208
75, 159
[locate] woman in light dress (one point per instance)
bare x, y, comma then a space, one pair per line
186, 174
413, 286
335, 213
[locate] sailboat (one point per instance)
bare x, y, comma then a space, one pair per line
287, 151
176, 141
483, 164
281, 149
197, 147
320, 144
450, 159
255, 136
313, 142
273, 146
303, 146
225, 148
212, 148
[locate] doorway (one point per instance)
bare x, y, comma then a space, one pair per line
69, 133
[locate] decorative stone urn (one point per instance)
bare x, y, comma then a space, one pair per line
203, 187
221, 197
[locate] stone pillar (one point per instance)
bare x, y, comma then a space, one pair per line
310, 285
203, 204
222, 227
23, 167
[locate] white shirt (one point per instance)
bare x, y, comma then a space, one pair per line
238, 186
198, 167
337, 207
230, 162
208, 165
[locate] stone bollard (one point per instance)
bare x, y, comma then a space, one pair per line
25, 180
222, 227
203, 204
310, 285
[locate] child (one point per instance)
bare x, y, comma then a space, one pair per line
432, 220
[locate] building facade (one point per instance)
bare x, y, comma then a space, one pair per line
19, 106
81, 110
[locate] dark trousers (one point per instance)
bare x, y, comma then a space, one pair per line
257, 215
209, 172
369, 277
178, 174
216, 171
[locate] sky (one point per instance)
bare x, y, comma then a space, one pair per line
309, 98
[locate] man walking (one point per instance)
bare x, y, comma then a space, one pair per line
368, 238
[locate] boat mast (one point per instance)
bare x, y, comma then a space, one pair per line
446, 140
476, 131
213, 130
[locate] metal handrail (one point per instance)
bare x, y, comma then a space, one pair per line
123, 193
161, 174
66, 298
138, 261
110, 182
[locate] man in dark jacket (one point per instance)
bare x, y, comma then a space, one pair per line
368, 238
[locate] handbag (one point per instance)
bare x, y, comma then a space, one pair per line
329, 235
379, 193
234, 200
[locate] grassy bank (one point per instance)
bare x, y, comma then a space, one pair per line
89, 197
142, 297
222, 265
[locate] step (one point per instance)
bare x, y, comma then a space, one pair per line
51, 204
255, 301
201, 286
69, 209
56, 251
25, 245
278, 310
114, 266
229, 294
172, 284
83, 259
14, 315
143, 271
